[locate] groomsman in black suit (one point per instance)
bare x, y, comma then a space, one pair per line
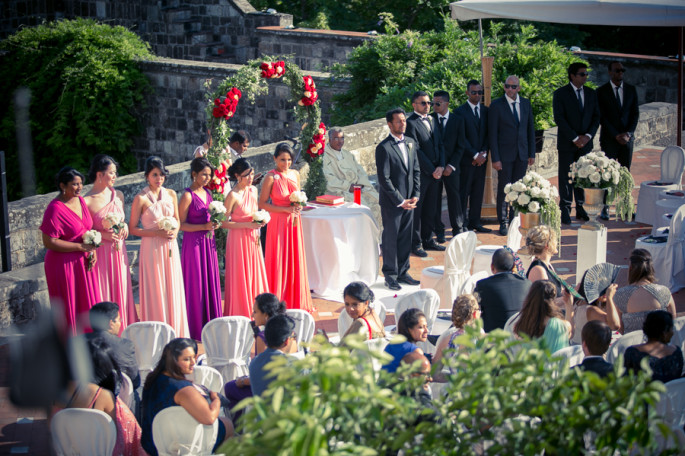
451, 131
421, 128
576, 113
619, 114
398, 171
511, 133
475, 157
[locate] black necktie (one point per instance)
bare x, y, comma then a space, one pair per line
618, 98
516, 114
442, 124
475, 112
580, 99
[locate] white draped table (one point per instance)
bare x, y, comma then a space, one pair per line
341, 246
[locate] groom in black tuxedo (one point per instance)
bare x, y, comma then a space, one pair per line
398, 171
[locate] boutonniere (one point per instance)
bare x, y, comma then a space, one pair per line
410, 145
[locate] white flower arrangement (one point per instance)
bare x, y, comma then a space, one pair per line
92, 237
115, 222
298, 197
167, 223
534, 194
261, 216
217, 214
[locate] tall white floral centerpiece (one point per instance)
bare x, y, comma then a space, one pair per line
535, 199
598, 174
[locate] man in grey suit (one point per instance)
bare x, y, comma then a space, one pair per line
398, 171
511, 132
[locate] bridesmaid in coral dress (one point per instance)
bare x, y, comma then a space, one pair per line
245, 272
162, 296
286, 267
70, 285
113, 274
198, 252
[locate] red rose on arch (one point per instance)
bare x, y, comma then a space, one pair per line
310, 94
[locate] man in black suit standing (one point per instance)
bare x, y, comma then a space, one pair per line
501, 295
511, 133
596, 337
576, 113
398, 171
475, 156
422, 129
451, 133
619, 114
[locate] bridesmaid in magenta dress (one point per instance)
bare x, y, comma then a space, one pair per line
113, 274
162, 296
198, 254
286, 267
245, 272
70, 285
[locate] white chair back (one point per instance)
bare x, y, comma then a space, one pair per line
175, 432
622, 343
471, 282
304, 328
150, 338
458, 258
126, 391
228, 342
672, 404
344, 320
674, 250
572, 355
509, 325
672, 165
207, 377
376, 345
679, 333
514, 235
77, 431
428, 301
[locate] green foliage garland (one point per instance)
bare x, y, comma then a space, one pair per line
622, 195
87, 90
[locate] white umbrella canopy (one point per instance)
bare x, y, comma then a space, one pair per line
646, 13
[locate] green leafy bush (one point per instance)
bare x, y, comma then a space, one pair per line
86, 90
507, 397
385, 72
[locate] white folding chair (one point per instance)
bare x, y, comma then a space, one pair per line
471, 282
672, 166
304, 328
77, 431
572, 355
514, 236
344, 320
207, 377
175, 432
376, 345
428, 302
668, 257
672, 404
126, 391
448, 280
622, 343
509, 325
150, 338
678, 338
483, 256
228, 342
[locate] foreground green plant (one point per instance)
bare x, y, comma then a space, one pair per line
86, 88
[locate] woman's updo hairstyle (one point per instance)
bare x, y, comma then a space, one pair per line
269, 304
463, 308
283, 148
155, 162
238, 168
66, 175
359, 291
200, 163
538, 238
641, 266
100, 164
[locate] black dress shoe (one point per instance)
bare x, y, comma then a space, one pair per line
605, 213
392, 284
503, 228
581, 214
480, 229
440, 239
565, 219
409, 280
432, 245
419, 252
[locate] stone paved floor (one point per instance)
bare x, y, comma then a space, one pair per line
25, 431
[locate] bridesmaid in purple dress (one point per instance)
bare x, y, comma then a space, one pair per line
70, 285
198, 253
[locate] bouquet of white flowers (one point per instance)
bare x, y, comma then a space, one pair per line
298, 197
261, 216
217, 213
596, 170
114, 222
92, 237
534, 194
168, 223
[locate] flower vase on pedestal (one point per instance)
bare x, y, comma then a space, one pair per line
594, 203
528, 221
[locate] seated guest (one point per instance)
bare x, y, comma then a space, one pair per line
343, 172
596, 340
631, 304
358, 298
277, 332
665, 360
166, 386
596, 284
541, 242
413, 325
422, 395
541, 318
465, 311
501, 294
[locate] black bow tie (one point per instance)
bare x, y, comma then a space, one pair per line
401, 141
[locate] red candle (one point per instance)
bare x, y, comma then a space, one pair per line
357, 194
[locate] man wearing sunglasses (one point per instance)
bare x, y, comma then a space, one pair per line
619, 114
576, 113
511, 133
422, 128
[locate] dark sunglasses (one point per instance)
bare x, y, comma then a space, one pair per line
620, 70
511, 86
440, 103
481, 92
426, 103
582, 75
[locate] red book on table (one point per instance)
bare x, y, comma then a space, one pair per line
330, 200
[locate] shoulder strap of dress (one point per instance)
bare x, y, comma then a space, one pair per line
368, 326
73, 396
95, 398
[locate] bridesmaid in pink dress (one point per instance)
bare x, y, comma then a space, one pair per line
245, 272
113, 274
70, 285
286, 267
162, 295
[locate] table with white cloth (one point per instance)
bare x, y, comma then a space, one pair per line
341, 246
